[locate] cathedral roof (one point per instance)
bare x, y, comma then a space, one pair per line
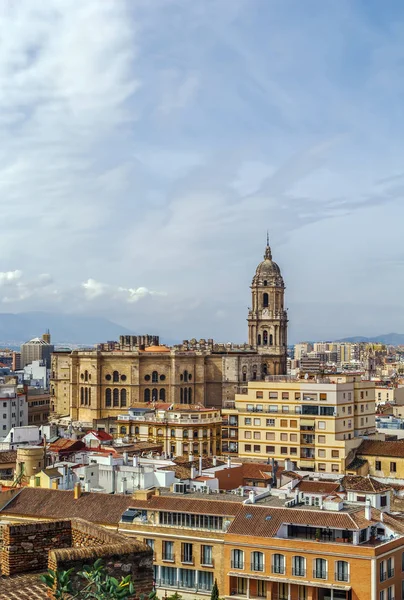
157, 349
268, 270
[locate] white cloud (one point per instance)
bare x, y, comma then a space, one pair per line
9, 276
95, 289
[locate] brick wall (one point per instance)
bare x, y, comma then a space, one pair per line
25, 547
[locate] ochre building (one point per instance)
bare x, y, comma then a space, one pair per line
96, 383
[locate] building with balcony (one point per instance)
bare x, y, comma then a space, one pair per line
314, 423
180, 429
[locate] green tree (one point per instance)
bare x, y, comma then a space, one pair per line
96, 584
214, 595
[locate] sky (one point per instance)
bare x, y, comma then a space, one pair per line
147, 147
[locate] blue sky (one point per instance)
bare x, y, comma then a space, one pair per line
148, 146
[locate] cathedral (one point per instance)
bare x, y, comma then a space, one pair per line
90, 384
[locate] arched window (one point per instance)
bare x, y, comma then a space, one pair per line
136, 430
108, 396
115, 397
181, 396
254, 374
86, 396
173, 433
160, 432
278, 564
89, 396
162, 394
154, 395
185, 395
320, 568
237, 559
257, 561
265, 300
185, 375
299, 566
259, 339
123, 397
86, 375
190, 395
342, 570
195, 433
123, 429
115, 376
271, 340
265, 337
82, 395
265, 282
146, 395
155, 377
265, 369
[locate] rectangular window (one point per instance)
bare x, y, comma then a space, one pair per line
247, 435
321, 453
247, 421
257, 435
284, 437
323, 396
149, 543
335, 453
383, 500
168, 551
270, 435
321, 425
259, 394
257, 448
382, 571
207, 555
390, 567
293, 437
334, 468
168, 576
205, 580
284, 423
186, 553
270, 422
293, 423
284, 450
285, 409
186, 578
293, 451
273, 395
259, 408
285, 395
393, 467
321, 439
321, 466
378, 465
270, 449
273, 408
297, 395
250, 407
257, 422
247, 447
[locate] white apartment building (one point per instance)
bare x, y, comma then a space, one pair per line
13, 409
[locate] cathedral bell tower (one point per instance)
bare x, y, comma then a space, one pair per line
267, 317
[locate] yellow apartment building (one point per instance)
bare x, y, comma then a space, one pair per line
314, 423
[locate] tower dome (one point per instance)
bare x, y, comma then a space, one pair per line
268, 272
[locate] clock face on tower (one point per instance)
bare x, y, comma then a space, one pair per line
265, 313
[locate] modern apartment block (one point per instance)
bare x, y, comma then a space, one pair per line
314, 423
13, 409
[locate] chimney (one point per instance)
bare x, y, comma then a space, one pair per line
251, 496
135, 461
124, 485
215, 461
229, 462
110, 459
125, 458
382, 517
77, 491
193, 472
368, 511
200, 465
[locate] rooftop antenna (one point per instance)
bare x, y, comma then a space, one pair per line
267, 237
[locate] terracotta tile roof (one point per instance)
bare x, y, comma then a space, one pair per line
100, 435
292, 475
257, 471
317, 487
261, 521
59, 504
357, 463
139, 447
363, 484
183, 468
8, 456
66, 445
381, 448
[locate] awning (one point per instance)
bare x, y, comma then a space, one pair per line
308, 422
301, 581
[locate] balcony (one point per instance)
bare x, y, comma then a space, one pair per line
383, 576
278, 569
256, 566
237, 564
341, 576
390, 573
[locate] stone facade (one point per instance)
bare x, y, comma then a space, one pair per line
97, 383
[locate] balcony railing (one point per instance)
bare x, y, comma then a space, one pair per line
341, 576
319, 574
278, 569
298, 572
256, 566
390, 573
237, 564
383, 576
207, 563
187, 560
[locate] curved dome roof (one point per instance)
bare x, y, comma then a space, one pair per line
268, 270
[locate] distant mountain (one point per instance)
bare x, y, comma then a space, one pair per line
65, 329
389, 339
